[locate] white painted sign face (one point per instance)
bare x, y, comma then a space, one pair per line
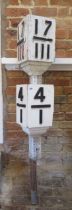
40, 105
36, 39
35, 105
21, 104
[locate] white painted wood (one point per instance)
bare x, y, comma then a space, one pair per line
63, 61
40, 117
59, 64
39, 102
35, 131
34, 68
10, 61
21, 100
1, 95
59, 61
36, 39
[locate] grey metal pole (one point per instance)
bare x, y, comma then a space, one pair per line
37, 79
33, 169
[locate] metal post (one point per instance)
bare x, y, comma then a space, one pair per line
36, 79
33, 175
33, 169
33, 152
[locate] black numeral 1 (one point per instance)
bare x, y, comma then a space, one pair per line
48, 51
36, 50
40, 116
21, 115
36, 26
42, 51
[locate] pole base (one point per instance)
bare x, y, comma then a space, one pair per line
34, 197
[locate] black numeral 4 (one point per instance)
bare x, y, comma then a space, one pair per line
20, 94
40, 94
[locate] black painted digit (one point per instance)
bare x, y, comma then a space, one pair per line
21, 115
22, 50
42, 51
36, 26
20, 95
48, 51
22, 32
48, 23
40, 116
40, 94
36, 50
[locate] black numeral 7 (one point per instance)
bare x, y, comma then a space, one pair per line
48, 23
